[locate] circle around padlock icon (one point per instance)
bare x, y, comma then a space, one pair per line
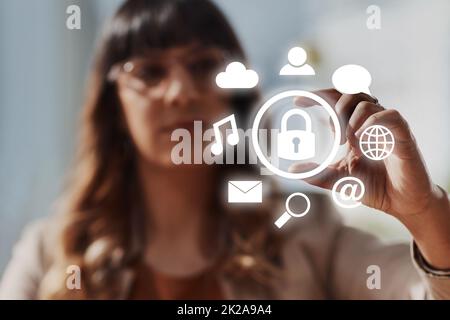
264, 159
296, 144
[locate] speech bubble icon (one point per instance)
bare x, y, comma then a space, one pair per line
351, 79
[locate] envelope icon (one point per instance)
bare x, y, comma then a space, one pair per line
244, 191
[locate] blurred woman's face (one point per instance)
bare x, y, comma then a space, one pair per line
168, 90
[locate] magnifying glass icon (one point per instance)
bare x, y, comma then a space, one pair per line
288, 213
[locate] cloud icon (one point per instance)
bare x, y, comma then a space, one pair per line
236, 76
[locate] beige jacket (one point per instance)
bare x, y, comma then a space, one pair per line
322, 259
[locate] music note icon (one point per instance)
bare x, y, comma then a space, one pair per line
232, 139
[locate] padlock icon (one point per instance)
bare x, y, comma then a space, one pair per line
296, 144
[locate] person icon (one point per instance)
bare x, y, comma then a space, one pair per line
297, 57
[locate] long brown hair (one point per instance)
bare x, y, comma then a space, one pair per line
100, 228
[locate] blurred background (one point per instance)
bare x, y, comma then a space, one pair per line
44, 67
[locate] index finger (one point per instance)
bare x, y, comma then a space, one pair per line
329, 95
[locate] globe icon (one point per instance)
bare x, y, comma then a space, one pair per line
377, 142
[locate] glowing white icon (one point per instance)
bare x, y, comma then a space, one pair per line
232, 139
244, 191
272, 103
377, 142
236, 76
297, 57
296, 144
288, 214
348, 191
352, 79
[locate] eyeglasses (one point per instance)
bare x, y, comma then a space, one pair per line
149, 72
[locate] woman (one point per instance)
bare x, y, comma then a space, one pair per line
139, 227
